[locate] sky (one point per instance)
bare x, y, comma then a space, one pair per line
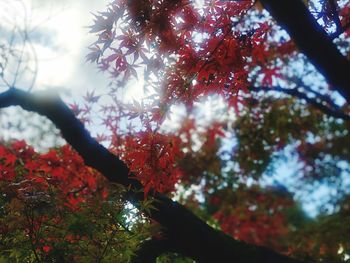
49, 41
57, 39
55, 48
55, 36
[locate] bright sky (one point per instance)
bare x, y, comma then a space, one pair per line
54, 54
56, 48
58, 37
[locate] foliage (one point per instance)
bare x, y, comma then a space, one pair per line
54, 214
54, 208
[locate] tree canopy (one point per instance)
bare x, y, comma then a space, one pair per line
193, 171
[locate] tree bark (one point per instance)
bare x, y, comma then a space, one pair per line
313, 41
188, 234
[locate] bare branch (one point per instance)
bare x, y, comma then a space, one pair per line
51, 106
339, 32
151, 249
334, 9
296, 93
313, 41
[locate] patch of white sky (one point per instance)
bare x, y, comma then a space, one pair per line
59, 35
57, 41
41, 25
58, 32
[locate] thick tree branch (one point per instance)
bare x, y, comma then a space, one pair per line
189, 234
151, 249
296, 93
73, 131
313, 41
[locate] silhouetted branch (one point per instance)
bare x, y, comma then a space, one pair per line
296, 93
334, 9
51, 106
313, 41
189, 235
151, 249
320, 97
339, 32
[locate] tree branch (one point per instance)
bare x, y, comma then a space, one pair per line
190, 235
338, 33
73, 131
296, 93
151, 249
313, 41
334, 9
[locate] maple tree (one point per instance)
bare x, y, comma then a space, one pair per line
278, 70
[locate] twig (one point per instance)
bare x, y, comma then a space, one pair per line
296, 93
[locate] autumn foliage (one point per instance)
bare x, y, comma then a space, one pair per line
267, 103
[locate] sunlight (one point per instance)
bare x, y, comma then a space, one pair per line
57, 40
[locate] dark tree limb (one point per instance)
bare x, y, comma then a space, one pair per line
151, 249
334, 9
339, 32
318, 96
188, 234
73, 131
296, 93
313, 41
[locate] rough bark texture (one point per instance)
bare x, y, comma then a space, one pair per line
188, 234
313, 41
